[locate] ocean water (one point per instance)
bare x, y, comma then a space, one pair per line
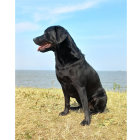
111, 80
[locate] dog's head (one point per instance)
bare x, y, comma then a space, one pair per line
52, 36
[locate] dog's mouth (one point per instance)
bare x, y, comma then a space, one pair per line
44, 46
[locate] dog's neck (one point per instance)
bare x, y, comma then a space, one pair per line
67, 53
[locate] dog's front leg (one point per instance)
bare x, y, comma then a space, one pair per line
83, 97
67, 103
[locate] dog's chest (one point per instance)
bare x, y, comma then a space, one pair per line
66, 80
65, 77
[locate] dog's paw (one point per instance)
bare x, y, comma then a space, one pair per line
63, 113
85, 122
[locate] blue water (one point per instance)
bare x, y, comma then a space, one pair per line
47, 79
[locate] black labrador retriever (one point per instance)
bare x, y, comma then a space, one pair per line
77, 78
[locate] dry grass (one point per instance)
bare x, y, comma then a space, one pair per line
37, 117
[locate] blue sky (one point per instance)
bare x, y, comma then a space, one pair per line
97, 26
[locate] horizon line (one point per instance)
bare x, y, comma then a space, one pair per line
54, 70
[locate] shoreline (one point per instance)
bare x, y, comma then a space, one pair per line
22, 87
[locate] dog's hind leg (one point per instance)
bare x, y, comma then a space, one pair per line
98, 102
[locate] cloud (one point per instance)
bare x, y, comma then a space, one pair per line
56, 13
50, 13
74, 8
26, 26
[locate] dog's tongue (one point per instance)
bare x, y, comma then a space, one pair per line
47, 45
39, 48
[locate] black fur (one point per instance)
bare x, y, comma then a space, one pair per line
77, 78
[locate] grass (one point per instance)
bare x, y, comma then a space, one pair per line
37, 117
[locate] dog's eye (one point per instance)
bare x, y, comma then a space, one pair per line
46, 37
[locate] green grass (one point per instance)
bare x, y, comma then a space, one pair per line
37, 117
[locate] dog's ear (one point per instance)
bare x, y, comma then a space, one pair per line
61, 34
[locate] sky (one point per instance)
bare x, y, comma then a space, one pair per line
98, 27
